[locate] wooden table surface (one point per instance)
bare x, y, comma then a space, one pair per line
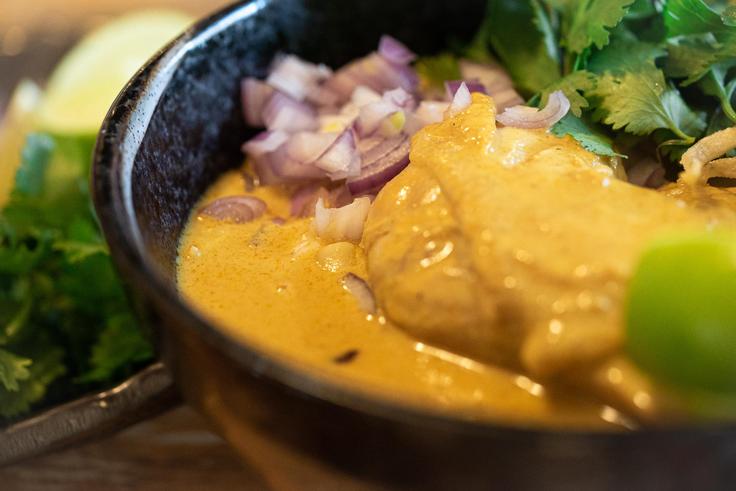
173, 452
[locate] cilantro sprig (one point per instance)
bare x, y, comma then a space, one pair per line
658, 70
65, 325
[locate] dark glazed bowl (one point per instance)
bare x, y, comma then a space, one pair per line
172, 131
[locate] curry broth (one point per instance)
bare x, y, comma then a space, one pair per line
270, 285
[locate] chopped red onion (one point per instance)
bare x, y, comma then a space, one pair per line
371, 115
341, 196
493, 77
400, 98
394, 51
431, 111
265, 142
289, 169
365, 144
237, 209
284, 113
264, 171
375, 72
342, 159
647, 173
296, 77
531, 118
343, 83
460, 101
496, 80
428, 112
381, 163
305, 198
340, 224
452, 86
359, 288
254, 95
363, 95
307, 147
322, 96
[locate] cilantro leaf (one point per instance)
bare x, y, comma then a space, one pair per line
590, 139
519, 33
702, 48
119, 344
591, 22
624, 55
46, 367
58, 288
13, 369
715, 84
684, 17
573, 85
691, 57
642, 102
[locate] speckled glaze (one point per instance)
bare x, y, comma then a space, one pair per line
172, 131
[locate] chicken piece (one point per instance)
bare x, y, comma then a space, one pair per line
514, 246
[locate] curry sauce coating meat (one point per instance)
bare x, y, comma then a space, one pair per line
515, 247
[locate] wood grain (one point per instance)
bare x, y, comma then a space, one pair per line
174, 452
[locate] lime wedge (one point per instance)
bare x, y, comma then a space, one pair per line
18, 122
86, 82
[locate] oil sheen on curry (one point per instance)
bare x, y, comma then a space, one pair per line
488, 280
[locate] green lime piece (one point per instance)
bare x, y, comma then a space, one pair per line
86, 82
681, 318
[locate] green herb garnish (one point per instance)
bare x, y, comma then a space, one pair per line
65, 324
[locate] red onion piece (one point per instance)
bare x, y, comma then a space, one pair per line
431, 111
306, 147
289, 169
265, 142
322, 96
375, 72
363, 95
305, 198
493, 77
359, 288
528, 117
452, 86
496, 80
647, 173
254, 95
460, 101
394, 51
236, 209
365, 144
284, 113
339, 224
341, 196
428, 112
371, 115
342, 159
382, 163
263, 170
296, 77
400, 98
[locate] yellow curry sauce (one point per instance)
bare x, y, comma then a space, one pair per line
265, 283
511, 249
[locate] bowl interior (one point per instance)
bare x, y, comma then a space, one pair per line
178, 126
196, 130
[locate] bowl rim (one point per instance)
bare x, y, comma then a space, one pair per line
113, 158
